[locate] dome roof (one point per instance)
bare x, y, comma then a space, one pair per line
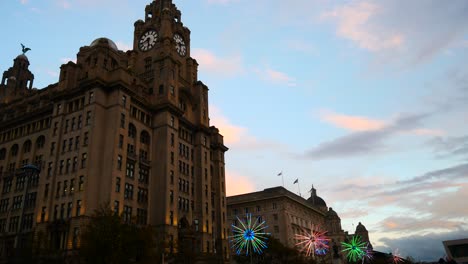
331, 213
104, 41
317, 201
22, 57
360, 228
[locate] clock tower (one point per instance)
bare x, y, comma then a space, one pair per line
189, 208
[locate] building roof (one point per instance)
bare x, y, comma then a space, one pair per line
270, 193
104, 41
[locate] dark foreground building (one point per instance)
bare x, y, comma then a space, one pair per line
128, 129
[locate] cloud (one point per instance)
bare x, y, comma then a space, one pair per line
51, 73
352, 20
353, 123
427, 247
232, 134
237, 184
123, 46
365, 142
238, 137
415, 224
401, 31
225, 66
276, 77
24, 2
446, 147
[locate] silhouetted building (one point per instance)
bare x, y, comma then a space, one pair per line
129, 129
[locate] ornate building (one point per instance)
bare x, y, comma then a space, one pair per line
130, 129
287, 214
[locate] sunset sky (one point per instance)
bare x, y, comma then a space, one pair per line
365, 100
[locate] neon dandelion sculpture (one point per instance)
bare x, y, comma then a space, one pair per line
368, 254
249, 237
313, 242
355, 249
396, 257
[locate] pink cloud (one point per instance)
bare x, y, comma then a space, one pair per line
232, 134
237, 184
275, 76
353, 22
225, 66
353, 123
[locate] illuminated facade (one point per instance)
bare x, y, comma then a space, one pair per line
287, 214
129, 129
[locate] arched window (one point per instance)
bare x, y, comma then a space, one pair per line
2, 153
40, 142
131, 131
27, 146
14, 150
145, 137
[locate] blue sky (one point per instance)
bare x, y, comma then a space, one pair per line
366, 100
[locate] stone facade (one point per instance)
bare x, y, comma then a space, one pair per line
125, 129
287, 214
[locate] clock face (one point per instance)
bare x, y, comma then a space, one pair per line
148, 40
180, 45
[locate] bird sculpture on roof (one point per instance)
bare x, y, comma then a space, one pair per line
24, 49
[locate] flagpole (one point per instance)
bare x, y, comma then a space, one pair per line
299, 188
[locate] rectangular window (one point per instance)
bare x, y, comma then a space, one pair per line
77, 142
81, 184
70, 144
124, 100
127, 214
64, 145
119, 162
66, 126
116, 207
73, 124
130, 169
86, 139
80, 121
69, 209
75, 164
121, 139
117, 185
78, 207
88, 118
52, 148
68, 165
57, 191
122, 120
84, 157
62, 162
128, 194
72, 186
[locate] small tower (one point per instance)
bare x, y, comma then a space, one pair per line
363, 233
17, 80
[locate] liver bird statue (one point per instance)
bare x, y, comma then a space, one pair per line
24, 48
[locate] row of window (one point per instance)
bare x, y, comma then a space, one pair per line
26, 223
40, 141
59, 213
76, 104
139, 114
25, 130
186, 152
142, 214
20, 182
258, 208
65, 189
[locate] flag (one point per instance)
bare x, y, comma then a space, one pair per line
281, 173
296, 181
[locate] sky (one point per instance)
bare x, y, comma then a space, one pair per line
365, 100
